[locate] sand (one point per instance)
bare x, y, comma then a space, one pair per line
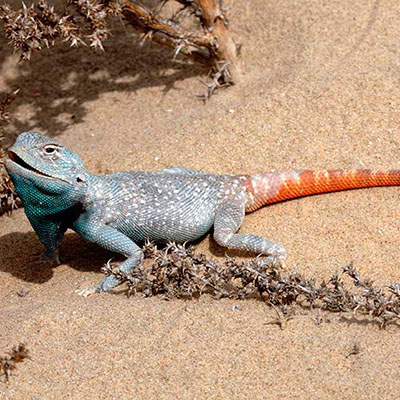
320, 88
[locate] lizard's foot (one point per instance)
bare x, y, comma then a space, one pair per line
274, 261
277, 257
106, 284
85, 292
112, 279
48, 257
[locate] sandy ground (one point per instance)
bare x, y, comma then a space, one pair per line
320, 88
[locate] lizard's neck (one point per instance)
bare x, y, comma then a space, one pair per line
46, 196
99, 188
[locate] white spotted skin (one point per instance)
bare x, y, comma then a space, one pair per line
161, 206
117, 211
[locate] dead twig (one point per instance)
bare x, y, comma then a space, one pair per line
177, 271
8, 197
225, 49
9, 363
354, 350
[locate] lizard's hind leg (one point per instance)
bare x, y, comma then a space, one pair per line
228, 218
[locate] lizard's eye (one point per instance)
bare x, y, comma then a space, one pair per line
50, 149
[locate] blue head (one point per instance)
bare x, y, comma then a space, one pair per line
42, 170
37, 155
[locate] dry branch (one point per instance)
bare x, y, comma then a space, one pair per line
30, 29
167, 33
7, 194
215, 22
9, 363
177, 271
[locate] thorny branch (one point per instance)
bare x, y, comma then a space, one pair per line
30, 29
177, 271
9, 363
7, 194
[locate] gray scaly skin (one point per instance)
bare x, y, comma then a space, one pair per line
118, 210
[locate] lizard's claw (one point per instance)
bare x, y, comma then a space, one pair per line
282, 262
277, 258
85, 292
274, 261
99, 288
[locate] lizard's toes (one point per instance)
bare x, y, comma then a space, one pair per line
282, 263
48, 257
85, 292
279, 252
276, 258
274, 261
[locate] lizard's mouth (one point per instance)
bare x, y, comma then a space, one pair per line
18, 160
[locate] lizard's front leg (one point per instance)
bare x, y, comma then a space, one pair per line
113, 240
50, 233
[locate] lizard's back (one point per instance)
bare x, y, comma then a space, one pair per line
162, 205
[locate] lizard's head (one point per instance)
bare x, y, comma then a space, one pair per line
38, 157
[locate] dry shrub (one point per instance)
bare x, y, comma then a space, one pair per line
177, 272
86, 22
9, 363
8, 197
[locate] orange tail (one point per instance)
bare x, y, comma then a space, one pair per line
273, 187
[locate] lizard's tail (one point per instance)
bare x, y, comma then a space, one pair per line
273, 187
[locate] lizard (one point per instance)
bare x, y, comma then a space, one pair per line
119, 210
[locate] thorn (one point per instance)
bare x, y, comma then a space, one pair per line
145, 36
177, 50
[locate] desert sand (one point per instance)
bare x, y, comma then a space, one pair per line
319, 88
